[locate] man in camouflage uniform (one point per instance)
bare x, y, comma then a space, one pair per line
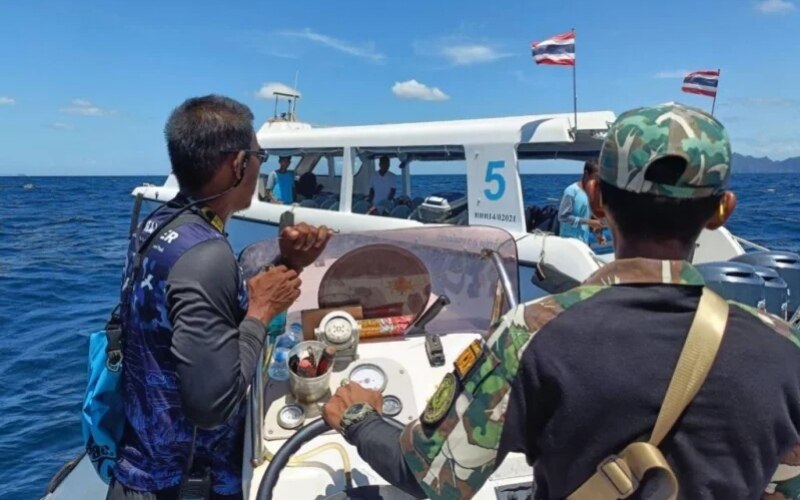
570, 379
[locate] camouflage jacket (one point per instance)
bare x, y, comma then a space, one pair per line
514, 396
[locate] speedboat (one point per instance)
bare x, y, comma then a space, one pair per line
449, 284
488, 153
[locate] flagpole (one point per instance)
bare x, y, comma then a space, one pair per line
714, 102
574, 87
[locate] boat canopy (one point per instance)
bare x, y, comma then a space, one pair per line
534, 136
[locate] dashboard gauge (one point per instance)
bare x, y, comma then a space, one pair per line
291, 417
338, 327
392, 406
369, 376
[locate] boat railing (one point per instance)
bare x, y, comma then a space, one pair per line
750, 245
257, 408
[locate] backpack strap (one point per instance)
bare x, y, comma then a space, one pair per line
115, 336
618, 476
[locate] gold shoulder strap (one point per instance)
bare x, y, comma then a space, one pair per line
618, 476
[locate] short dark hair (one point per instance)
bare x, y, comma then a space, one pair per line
197, 133
656, 217
590, 167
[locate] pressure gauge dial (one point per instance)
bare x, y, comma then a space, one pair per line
392, 406
291, 417
369, 376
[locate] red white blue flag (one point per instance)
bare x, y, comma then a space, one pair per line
702, 82
558, 50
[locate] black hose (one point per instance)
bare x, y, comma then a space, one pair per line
289, 448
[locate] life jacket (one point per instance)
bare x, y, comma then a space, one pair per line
157, 439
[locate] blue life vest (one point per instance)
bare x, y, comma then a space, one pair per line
283, 188
155, 447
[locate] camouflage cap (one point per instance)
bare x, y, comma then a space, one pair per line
643, 135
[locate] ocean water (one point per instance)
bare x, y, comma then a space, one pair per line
62, 246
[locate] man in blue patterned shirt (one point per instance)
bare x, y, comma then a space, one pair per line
193, 328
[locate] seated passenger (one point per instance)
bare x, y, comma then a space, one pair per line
383, 186
280, 183
307, 186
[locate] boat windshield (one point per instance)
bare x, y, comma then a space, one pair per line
405, 271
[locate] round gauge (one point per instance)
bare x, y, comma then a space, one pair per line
338, 330
392, 406
337, 327
369, 376
291, 416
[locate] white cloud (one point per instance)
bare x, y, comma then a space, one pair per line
412, 89
62, 126
7, 101
85, 108
675, 73
267, 91
461, 51
775, 6
474, 53
365, 50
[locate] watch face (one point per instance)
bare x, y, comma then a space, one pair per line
355, 413
355, 410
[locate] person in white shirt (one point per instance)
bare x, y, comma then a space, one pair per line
383, 186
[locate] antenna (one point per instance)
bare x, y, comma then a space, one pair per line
296, 89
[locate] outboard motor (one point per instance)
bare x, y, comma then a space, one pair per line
787, 264
735, 281
776, 291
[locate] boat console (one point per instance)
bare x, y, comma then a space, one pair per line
391, 305
286, 412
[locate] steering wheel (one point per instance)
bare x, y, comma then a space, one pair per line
303, 436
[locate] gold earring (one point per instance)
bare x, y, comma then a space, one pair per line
721, 210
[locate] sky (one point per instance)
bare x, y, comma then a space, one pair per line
86, 87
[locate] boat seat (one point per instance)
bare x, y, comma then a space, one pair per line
386, 205
400, 212
309, 204
361, 207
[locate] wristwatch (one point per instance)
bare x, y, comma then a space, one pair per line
354, 414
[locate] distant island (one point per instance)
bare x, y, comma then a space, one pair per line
743, 164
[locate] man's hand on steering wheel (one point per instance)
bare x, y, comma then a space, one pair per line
344, 398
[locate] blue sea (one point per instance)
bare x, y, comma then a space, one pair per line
62, 246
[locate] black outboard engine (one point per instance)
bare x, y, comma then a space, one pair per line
787, 265
735, 281
776, 291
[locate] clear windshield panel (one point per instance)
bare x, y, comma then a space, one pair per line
404, 271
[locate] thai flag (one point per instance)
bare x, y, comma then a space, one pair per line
558, 50
702, 82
